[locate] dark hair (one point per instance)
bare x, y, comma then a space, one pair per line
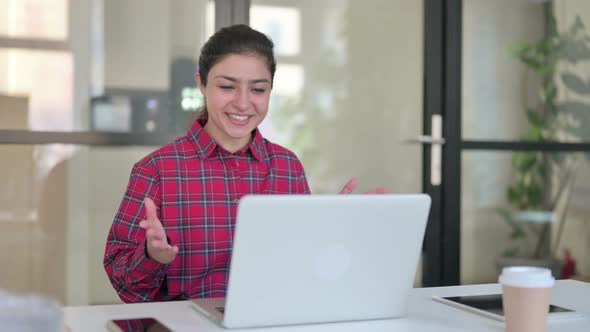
235, 39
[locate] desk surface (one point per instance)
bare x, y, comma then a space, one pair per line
424, 315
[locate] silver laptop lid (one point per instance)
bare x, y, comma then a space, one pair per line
321, 258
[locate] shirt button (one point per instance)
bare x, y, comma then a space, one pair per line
236, 201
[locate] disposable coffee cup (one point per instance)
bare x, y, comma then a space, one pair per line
525, 298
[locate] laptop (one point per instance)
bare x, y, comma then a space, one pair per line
300, 259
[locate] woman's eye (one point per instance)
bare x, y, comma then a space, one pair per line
258, 90
226, 87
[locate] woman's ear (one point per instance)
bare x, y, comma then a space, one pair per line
200, 83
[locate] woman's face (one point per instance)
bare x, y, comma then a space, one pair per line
237, 94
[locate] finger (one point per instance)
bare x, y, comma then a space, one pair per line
153, 234
349, 186
151, 211
171, 250
147, 226
382, 190
165, 249
151, 231
144, 224
159, 244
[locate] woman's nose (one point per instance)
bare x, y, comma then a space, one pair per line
242, 99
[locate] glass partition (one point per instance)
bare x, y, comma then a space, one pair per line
506, 220
57, 203
348, 89
525, 70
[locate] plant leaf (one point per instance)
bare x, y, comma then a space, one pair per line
518, 233
575, 83
550, 91
523, 161
535, 194
518, 49
510, 252
574, 107
512, 195
581, 113
535, 118
575, 51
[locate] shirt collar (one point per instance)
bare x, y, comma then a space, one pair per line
257, 146
204, 145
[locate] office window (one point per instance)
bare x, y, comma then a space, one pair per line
34, 19
282, 24
45, 80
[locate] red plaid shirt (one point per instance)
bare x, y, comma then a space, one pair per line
196, 185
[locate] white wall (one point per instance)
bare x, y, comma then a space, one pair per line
189, 27
386, 74
137, 44
110, 168
143, 36
75, 181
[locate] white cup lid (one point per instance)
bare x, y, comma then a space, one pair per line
527, 277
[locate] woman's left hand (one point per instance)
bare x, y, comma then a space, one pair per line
350, 186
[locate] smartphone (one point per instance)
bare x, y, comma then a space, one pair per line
490, 305
143, 324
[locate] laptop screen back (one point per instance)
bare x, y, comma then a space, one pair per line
321, 258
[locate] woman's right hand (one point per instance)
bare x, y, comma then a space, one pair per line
157, 244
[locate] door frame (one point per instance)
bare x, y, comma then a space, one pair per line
442, 96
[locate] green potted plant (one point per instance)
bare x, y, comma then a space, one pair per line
542, 180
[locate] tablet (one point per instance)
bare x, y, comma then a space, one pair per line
490, 305
137, 325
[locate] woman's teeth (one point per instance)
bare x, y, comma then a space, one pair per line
239, 117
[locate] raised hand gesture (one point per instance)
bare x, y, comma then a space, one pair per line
157, 244
350, 186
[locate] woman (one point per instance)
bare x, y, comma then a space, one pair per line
172, 236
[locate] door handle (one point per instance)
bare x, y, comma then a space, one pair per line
437, 141
426, 139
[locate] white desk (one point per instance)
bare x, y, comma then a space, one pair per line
424, 315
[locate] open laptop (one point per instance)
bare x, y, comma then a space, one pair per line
301, 259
